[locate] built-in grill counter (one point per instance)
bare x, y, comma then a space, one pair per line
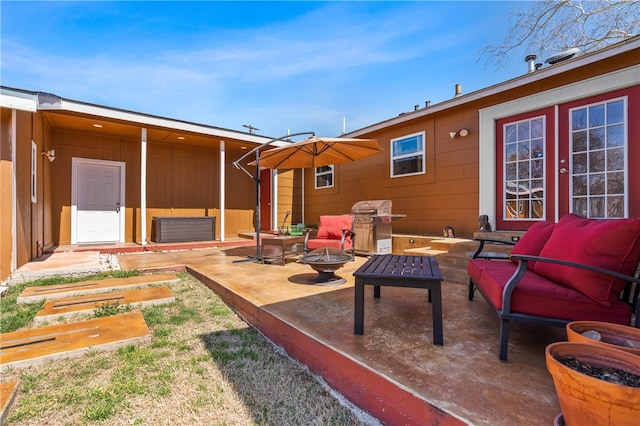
372, 226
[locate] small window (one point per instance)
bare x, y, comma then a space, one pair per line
407, 155
324, 177
34, 168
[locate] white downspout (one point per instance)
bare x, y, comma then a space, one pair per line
274, 199
143, 187
223, 194
14, 200
302, 193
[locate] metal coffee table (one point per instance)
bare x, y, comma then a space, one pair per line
285, 242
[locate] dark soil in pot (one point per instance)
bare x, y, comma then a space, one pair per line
612, 375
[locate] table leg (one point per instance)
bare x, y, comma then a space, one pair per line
358, 327
437, 315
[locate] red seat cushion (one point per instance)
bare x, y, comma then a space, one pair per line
331, 227
536, 295
612, 244
533, 240
325, 242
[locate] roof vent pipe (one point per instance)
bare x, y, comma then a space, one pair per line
458, 90
531, 59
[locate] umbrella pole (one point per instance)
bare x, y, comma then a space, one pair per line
256, 178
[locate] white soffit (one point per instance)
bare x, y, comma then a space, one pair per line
18, 100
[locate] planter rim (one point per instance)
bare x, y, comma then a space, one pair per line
605, 352
612, 335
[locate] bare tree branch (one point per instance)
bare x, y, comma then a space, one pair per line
547, 27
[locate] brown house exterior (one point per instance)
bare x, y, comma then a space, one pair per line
188, 172
564, 138
464, 176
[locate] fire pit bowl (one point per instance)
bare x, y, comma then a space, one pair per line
326, 261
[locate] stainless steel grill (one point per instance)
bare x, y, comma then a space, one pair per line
372, 226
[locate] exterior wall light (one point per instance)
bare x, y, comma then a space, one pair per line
462, 133
51, 154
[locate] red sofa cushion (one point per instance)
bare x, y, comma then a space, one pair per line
331, 227
533, 240
536, 295
612, 244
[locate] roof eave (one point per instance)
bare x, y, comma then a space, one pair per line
562, 67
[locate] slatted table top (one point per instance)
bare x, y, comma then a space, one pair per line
400, 267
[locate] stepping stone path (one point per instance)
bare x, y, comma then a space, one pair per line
35, 294
35, 346
70, 306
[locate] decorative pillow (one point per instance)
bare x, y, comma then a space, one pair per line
331, 226
612, 244
533, 240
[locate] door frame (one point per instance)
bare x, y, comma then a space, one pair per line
610, 82
75, 162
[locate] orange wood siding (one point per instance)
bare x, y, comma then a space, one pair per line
181, 181
23, 187
6, 195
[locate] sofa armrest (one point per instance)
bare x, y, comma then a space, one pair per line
309, 233
523, 261
479, 254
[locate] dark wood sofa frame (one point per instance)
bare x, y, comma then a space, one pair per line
629, 295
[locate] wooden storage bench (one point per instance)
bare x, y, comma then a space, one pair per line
172, 229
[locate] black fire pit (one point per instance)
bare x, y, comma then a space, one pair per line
326, 261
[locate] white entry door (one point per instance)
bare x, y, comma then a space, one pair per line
98, 201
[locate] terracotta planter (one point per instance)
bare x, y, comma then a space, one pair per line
612, 335
587, 400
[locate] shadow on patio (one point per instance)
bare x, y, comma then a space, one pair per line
393, 371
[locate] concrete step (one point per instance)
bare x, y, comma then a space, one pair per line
35, 294
423, 251
69, 306
39, 345
450, 244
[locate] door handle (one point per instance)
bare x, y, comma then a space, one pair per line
564, 170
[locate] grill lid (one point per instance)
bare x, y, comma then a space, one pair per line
375, 207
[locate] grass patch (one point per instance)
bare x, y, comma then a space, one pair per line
204, 365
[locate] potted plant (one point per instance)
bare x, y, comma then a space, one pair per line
596, 385
605, 333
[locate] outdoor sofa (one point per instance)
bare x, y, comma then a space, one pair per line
576, 269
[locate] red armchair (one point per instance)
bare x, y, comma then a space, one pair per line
333, 231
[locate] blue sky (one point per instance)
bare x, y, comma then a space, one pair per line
278, 66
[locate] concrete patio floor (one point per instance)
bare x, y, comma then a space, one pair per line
393, 371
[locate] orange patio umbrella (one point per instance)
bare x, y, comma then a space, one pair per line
318, 152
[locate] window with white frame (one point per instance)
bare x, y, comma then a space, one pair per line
598, 154
324, 177
408, 155
524, 165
